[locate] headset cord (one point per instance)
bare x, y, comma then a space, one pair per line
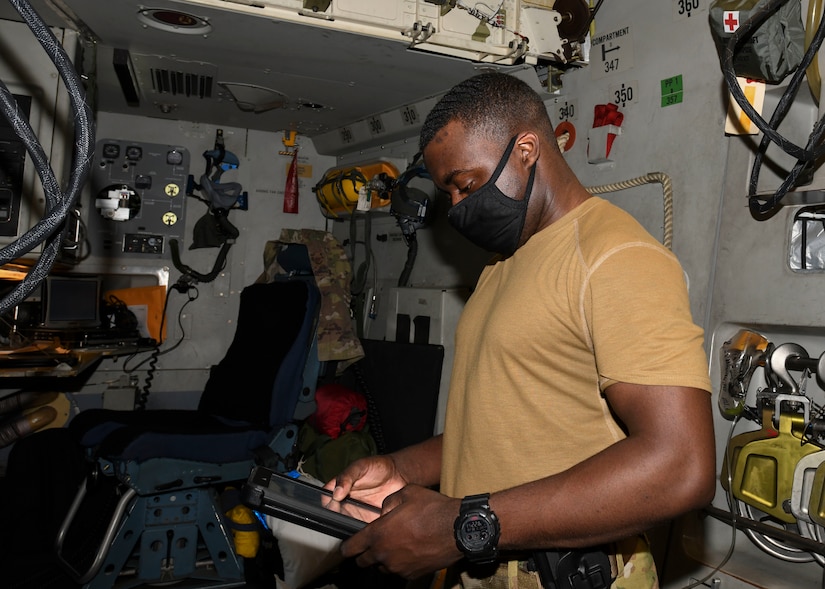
373, 417
412, 253
192, 294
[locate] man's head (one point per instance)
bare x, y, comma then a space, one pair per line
494, 105
482, 144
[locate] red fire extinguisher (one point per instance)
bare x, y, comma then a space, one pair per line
291, 189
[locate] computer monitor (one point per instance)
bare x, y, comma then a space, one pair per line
71, 301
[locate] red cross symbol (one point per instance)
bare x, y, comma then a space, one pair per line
731, 20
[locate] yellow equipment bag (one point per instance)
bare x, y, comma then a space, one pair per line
242, 522
338, 191
740, 441
764, 469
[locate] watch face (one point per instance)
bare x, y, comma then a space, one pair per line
476, 532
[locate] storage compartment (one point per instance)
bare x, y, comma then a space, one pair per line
517, 30
428, 316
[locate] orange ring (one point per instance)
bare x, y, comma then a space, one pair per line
566, 127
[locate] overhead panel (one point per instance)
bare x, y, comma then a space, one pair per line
404, 121
303, 65
512, 32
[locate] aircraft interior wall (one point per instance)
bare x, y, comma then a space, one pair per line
207, 324
655, 63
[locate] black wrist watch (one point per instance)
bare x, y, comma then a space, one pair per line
477, 530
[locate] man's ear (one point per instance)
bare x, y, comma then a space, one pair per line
528, 148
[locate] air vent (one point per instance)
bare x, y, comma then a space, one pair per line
177, 83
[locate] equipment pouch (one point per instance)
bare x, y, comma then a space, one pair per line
773, 50
574, 569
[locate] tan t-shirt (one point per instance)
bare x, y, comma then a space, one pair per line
589, 301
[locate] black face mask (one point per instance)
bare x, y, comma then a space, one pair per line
491, 219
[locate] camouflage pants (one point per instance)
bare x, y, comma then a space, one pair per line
634, 570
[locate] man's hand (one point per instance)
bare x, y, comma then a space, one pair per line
413, 536
372, 479
362, 511
369, 479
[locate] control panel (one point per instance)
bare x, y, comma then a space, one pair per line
138, 198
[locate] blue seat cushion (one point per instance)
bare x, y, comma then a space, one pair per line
181, 434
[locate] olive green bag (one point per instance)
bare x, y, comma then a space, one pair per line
775, 48
324, 457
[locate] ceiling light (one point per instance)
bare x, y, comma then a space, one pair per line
174, 21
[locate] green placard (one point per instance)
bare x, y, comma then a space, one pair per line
671, 99
672, 92
672, 85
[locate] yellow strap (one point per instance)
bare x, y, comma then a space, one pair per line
439, 579
512, 574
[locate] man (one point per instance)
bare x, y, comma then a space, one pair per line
579, 397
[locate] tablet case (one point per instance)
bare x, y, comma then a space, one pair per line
298, 502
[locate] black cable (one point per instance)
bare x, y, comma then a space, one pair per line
359, 274
79, 243
49, 230
373, 416
143, 397
189, 273
335, 188
728, 52
804, 155
36, 235
593, 12
412, 253
192, 294
769, 208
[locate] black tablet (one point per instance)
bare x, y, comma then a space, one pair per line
304, 504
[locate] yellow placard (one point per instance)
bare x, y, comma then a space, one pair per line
147, 303
737, 122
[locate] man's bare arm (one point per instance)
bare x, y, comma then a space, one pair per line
665, 467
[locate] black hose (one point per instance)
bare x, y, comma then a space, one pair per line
226, 228
220, 262
770, 207
728, 53
359, 274
51, 228
412, 253
805, 156
373, 415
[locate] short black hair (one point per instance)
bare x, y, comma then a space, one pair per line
495, 104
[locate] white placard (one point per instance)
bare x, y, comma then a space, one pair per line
611, 52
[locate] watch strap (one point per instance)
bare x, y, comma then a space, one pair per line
481, 501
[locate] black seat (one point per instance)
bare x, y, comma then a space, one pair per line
164, 469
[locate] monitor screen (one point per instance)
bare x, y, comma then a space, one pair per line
71, 301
